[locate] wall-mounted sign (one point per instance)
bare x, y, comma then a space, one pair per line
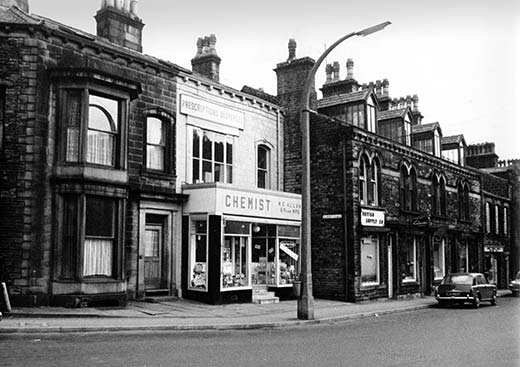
211, 111
372, 218
493, 249
332, 216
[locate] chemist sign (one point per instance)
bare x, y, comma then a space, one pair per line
372, 218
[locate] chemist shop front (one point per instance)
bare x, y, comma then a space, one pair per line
237, 240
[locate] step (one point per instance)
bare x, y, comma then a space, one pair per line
265, 297
159, 299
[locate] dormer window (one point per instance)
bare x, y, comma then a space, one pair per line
407, 139
371, 116
436, 143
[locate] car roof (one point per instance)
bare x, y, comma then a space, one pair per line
471, 274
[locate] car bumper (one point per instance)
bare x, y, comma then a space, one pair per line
454, 298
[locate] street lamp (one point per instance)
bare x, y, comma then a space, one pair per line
305, 298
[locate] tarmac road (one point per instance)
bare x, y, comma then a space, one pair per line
453, 336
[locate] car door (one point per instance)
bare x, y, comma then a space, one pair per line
485, 287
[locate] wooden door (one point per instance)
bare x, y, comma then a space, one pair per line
153, 249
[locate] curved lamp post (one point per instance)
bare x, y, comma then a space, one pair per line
305, 299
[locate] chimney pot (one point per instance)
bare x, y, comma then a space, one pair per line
350, 69
335, 71
328, 72
292, 49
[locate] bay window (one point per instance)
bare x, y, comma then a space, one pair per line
90, 244
92, 125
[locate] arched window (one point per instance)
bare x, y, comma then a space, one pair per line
408, 189
369, 181
102, 130
438, 195
463, 192
155, 144
263, 167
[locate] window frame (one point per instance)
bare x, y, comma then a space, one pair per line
71, 260
408, 189
85, 90
413, 241
488, 216
376, 241
228, 156
168, 124
192, 249
369, 180
261, 170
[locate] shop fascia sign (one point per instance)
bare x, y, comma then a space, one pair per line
372, 217
210, 111
258, 205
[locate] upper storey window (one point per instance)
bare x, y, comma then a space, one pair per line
263, 158
439, 195
408, 189
93, 128
369, 181
363, 115
464, 204
159, 142
212, 157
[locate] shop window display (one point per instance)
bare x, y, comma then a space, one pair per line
198, 255
438, 258
235, 255
369, 261
408, 260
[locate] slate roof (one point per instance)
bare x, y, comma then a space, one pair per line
344, 98
391, 114
417, 129
454, 139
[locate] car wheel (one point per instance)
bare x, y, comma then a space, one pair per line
493, 300
476, 301
442, 303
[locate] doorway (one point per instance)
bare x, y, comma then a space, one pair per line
154, 252
263, 256
390, 275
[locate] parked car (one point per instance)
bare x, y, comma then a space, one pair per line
465, 287
514, 286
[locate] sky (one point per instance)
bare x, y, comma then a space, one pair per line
462, 58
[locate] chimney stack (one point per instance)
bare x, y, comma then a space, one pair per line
328, 73
118, 22
206, 62
350, 69
22, 4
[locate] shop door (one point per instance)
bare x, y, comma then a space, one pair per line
263, 267
153, 249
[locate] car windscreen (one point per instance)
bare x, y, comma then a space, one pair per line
457, 279
518, 276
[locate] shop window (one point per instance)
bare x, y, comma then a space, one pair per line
408, 189
263, 167
158, 145
212, 157
89, 232
439, 265
198, 255
463, 259
369, 261
289, 252
93, 135
235, 255
408, 259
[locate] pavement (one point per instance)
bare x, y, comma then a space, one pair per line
182, 315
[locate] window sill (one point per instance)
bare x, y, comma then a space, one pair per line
409, 282
161, 175
370, 285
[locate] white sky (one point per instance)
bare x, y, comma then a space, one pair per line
461, 57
